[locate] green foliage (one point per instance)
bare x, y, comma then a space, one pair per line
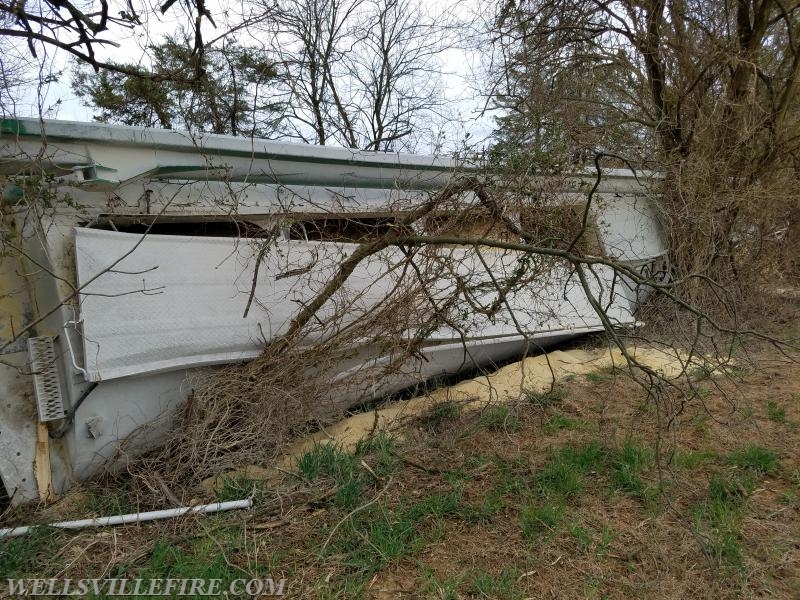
755, 458
541, 520
41, 190
693, 458
374, 537
219, 90
546, 399
199, 560
730, 489
775, 412
559, 421
559, 477
236, 488
381, 533
442, 413
484, 513
24, 556
327, 460
699, 392
438, 588
562, 474
587, 457
607, 537
514, 477
381, 442
719, 517
701, 373
379, 450
582, 536
501, 587
341, 588
499, 417
627, 465
538, 129
108, 501
587, 539
700, 423
345, 471
438, 504
598, 377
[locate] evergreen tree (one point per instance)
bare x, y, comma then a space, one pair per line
221, 90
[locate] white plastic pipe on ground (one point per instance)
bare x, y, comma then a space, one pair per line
152, 515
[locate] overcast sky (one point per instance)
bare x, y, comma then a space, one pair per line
460, 66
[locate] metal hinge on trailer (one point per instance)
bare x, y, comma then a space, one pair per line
46, 380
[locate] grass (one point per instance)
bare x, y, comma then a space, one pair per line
754, 458
719, 518
442, 413
776, 413
582, 536
513, 476
559, 421
508, 503
441, 589
200, 557
376, 536
25, 555
108, 501
546, 493
701, 373
607, 537
561, 480
694, 458
236, 488
599, 377
541, 520
700, 423
201, 561
379, 451
499, 417
698, 392
342, 589
547, 398
597, 541
345, 471
327, 460
503, 586
381, 533
627, 465
561, 476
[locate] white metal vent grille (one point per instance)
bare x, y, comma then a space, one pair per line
46, 382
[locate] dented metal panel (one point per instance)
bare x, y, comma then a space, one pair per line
155, 306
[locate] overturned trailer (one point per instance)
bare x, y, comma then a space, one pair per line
134, 257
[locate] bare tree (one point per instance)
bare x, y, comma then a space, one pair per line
357, 73
80, 29
14, 69
709, 89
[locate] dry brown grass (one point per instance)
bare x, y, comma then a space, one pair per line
638, 546
653, 553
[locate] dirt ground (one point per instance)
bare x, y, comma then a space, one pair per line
584, 492
655, 549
